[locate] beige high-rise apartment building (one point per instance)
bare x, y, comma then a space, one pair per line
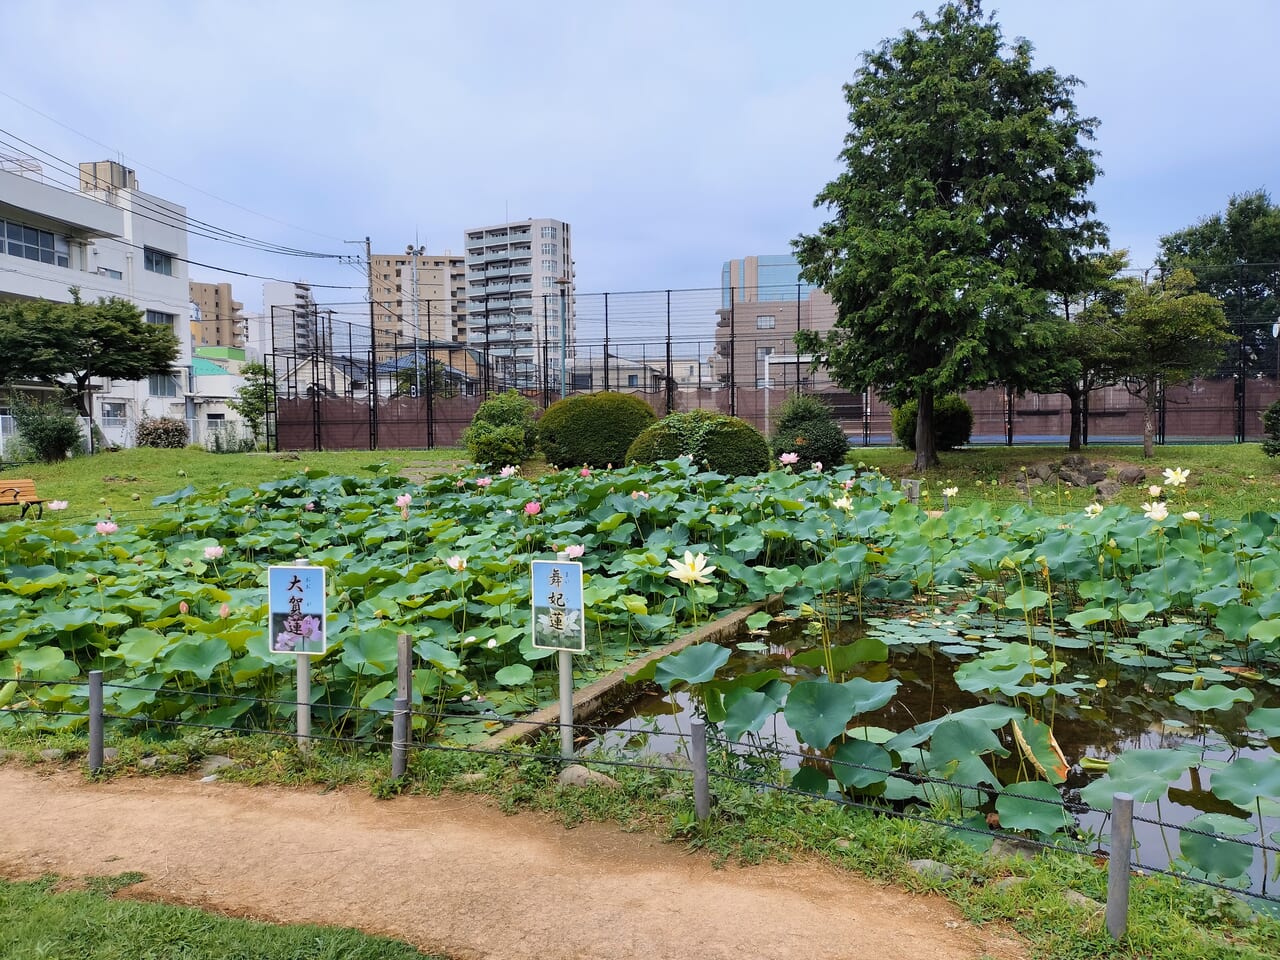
418, 296
222, 322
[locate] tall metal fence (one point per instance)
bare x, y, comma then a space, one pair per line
728, 351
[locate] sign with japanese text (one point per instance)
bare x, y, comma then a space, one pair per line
558, 623
296, 604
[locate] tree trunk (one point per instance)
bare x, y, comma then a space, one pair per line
926, 441
1075, 396
1149, 421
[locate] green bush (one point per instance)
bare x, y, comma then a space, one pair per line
1271, 427
48, 430
164, 432
952, 422
594, 429
807, 429
725, 444
503, 431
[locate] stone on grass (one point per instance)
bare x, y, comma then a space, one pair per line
1078, 899
215, 762
579, 776
470, 779
1013, 847
52, 753
1108, 489
932, 869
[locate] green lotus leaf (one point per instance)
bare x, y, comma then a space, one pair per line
129, 695
695, 664
819, 710
810, 780
1265, 720
1265, 631
860, 763
66, 620
759, 620
1247, 780
373, 651
1218, 855
1032, 805
1088, 617
1025, 598
32, 662
1144, 774
1235, 620
1036, 741
514, 674
871, 695
436, 655
200, 657
1136, 612
844, 657
139, 646
1216, 697
747, 711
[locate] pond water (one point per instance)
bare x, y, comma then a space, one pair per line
1120, 707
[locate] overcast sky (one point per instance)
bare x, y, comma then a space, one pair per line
671, 134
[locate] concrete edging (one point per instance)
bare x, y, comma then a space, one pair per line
612, 690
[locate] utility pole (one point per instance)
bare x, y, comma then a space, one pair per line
373, 348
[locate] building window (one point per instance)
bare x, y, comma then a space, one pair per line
111, 274
157, 261
633, 380
550, 266
162, 385
161, 319
766, 322
548, 283
548, 233
762, 352
32, 244
114, 413
549, 249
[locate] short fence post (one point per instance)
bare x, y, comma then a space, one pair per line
701, 790
1118, 867
912, 488
400, 738
95, 721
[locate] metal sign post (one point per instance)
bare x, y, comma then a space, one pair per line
296, 605
558, 624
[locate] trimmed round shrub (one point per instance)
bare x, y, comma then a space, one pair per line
725, 444
1271, 428
503, 431
594, 429
813, 441
807, 429
952, 422
164, 432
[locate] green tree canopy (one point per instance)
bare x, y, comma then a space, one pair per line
1235, 256
961, 205
1168, 334
256, 397
68, 344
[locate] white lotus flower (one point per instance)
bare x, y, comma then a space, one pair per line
692, 569
1155, 511
1093, 509
1176, 476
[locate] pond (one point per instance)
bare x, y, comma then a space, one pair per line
1110, 708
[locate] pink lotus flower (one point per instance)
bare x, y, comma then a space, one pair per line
574, 550
637, 494
224, 611
183, 608
788, 459
508, 471
483, 482
310, 506
456, 563
106, 527
213, 553
404, 500
532, 508
817, 466
584, 472
57, 504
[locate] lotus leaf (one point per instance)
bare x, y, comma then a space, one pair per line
1218, 854
200, 657
1265, 719
746, 711
33, 662
1036, 742
1026, 599
956, 750
819, 710
1216, 697
845, 657
1144, 774
370, 651
860, 763
1246, 781
1136, 612
759, 620
1032, 805
810, 780
1265, 631
695, 664
514, 674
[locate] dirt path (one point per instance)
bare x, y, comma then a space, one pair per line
452, 875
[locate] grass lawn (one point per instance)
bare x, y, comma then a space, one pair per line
91, 924
125, 482
1227, 480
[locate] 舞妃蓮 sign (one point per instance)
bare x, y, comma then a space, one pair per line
558, 623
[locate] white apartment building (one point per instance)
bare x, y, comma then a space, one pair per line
291, 322
519, 285
109, 239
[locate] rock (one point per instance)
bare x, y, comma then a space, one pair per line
1096, 473
53, 753
211, 778
1108, 489
1010, 884
932, 869
1042, 471
110, 754
1078, 899
579, 776
1073, 477
1013, 847
148, 763
673, 761
1033, 481
471, 779
1074, 462
215, 762
842, 844
1131, 475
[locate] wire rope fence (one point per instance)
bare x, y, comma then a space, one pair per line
708, 759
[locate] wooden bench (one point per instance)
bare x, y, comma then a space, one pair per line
21, 493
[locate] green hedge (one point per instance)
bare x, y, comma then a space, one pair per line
593, 429
807, 429
503, 431
724, 444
